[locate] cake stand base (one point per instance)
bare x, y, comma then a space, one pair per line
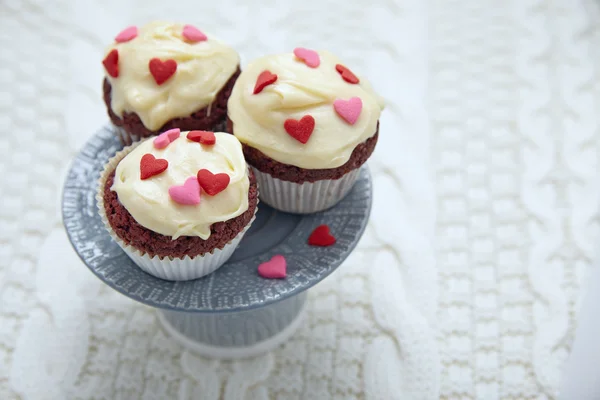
235, 335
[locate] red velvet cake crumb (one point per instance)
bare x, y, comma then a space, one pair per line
133, 234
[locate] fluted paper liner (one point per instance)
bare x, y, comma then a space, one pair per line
169, 268
307, 197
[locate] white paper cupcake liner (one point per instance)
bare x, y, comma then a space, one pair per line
307, 197
169, 268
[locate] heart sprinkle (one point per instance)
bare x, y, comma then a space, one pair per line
150, 166
211, 183
274, 268
161, 141
187, 194
310, 57
321, 237
202, 137
127, 34
111, 63
300, 130
162, 70
173, 134
346, 74
165, 138
193, 34
265, 79
349, 110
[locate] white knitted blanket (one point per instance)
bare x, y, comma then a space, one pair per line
467, 282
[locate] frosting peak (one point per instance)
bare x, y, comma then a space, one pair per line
300, 90
202, 68
159, 201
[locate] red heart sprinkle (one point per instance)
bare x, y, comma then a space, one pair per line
347, 75
150, 166
203, 137
111, 63
211, 183
300, 130
264, 79
321, 237
162, 70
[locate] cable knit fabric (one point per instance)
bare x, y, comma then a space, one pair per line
467, 282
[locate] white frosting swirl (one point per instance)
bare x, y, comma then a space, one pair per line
203, 68
148, 200
258, 119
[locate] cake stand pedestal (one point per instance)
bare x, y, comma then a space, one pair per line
236, 334
233, 312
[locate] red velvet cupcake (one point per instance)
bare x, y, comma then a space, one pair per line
307, 123
180, 203
163, 76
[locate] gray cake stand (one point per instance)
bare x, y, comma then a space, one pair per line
233, 312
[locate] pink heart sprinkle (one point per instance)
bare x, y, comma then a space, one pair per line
193, 34
187, 194
273, 269
161, 141
165, 138
310, 57
348, 109
127, 34
173, 133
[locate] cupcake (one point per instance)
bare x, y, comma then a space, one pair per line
163, 76
178, 204
307, 123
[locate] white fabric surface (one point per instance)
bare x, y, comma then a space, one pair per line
580, 378
467, 282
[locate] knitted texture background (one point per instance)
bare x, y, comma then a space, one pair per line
467, 282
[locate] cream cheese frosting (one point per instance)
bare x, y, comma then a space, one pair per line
203, 68
149, 202
301, 90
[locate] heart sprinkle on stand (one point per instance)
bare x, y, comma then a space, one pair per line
187, 194
310, 57
162, 70
111, 63
193, 34
212, 184
166, 138
127, 34
346, 74
349, 110
150, 166
300, 130
321, 236
265, 79
202, 137
274, 268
